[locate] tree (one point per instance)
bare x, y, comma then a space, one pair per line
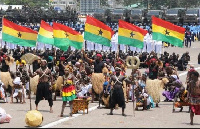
130, 2
32, 3
104, 3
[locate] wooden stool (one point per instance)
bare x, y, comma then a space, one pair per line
80, 104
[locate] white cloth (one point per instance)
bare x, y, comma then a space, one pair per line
90, 45
98, 47
84, 90
133, 48
48, 46
138, 50
149, 42
17, 91
123, 47
106, 48
40, 46
17, 81
3, 116
2, 92
158, 47
72, 48
27, 85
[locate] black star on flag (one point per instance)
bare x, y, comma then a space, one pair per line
19, 35
132, 34
66, 35
100, 32
166, 32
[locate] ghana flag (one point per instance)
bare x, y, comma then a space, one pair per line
45, 34
168, 32
65, 36
130, 34
17, 34
97, 32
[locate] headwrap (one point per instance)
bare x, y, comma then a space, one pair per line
44, 61
68, 67
119, 62
175, 77
17, 81
99, 55
77, 63
118, 68
80, 61
62, 58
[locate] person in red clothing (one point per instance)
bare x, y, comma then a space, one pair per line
152, 62
194, 95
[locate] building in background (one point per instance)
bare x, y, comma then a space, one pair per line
62, 4
88, 6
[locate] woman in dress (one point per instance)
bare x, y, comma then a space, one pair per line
68, 89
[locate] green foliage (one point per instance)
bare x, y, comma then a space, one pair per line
104, 3
32, 3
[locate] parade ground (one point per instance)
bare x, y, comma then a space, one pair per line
160, 117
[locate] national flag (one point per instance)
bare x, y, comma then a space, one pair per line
17, 34
45, 34
97, 32
65, 36
168, 32
130, 34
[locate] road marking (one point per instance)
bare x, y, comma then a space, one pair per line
67, 118
89, 110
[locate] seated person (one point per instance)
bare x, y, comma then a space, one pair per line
182, 95
172, 88
84, 88
2, 92
18, 91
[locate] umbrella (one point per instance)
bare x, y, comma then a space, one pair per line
30, 58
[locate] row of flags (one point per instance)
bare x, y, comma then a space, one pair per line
63, 36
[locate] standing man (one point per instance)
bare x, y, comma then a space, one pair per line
98, 66
117, 96
43, 87
194, 95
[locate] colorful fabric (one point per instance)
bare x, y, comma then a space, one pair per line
170, 94
20, 63
65, 36
68, 93
17, 34
194, 100
195, 109
168, 32
131, 35
45, 34
97, 32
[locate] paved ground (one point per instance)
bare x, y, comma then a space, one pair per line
98, 118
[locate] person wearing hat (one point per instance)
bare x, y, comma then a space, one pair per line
18, 90
117, 96
98, 66
44, 89
20, 64
68, 89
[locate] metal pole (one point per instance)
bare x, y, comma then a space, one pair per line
30, 90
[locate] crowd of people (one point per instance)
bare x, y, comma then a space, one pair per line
71, 74
76, 68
